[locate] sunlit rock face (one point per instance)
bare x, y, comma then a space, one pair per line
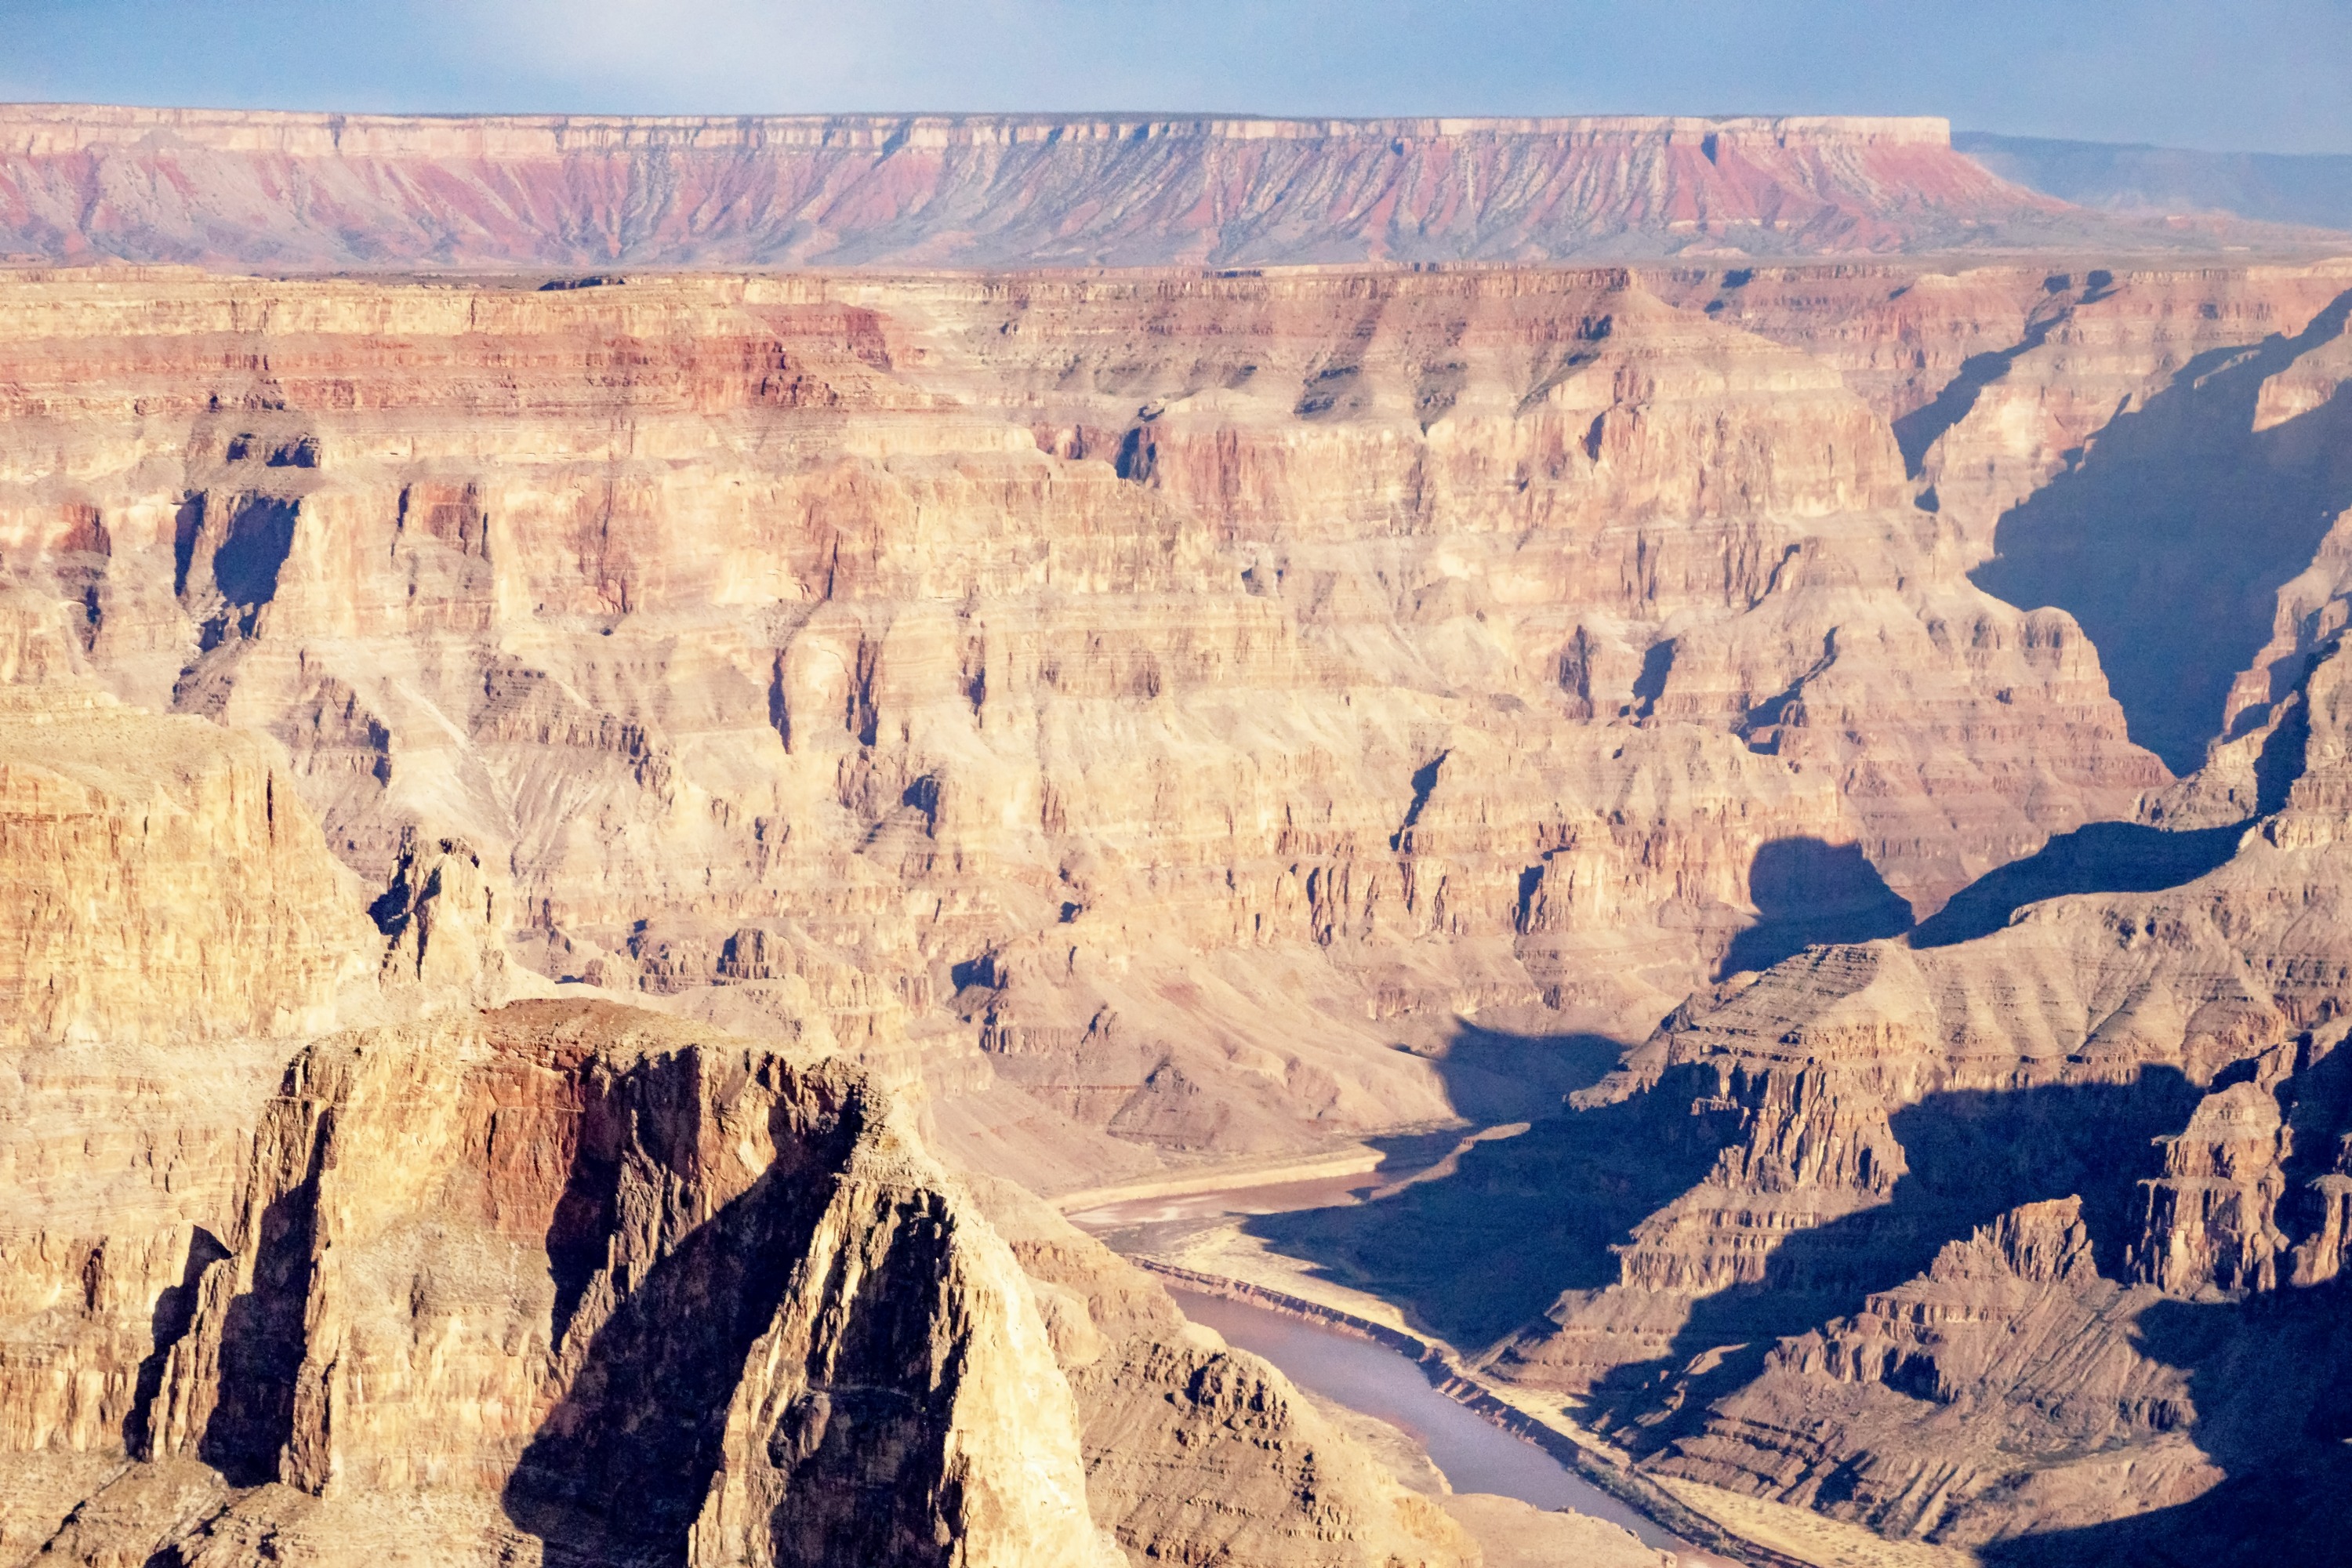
1121, 705
557, 1282
273, 192
561, 1281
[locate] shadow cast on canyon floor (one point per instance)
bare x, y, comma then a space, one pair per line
2098, 857
2271, 1381
1497, 1075
2270, 1392
1808, 891
2171, 533
1520, 1221
1971, 1156
2121, 856
1477, 1253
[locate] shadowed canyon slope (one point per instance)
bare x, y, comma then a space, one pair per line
1096, 726
319, 191
2032, 1243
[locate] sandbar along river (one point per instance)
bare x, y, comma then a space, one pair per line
1474, 1455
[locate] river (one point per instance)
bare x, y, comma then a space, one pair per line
1474, 1455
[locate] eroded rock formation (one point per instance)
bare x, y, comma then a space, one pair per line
585, 1279
164, 879
1112, 714
1103, 702
559, 1281
313, 192
2127, 1113
1200, 1453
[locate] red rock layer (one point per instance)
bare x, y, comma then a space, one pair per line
316, 191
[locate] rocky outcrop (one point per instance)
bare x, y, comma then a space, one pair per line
2212, 1221
163, 879
584, 1284
446, 930
2000, 1392
1197, 1452
560, 1282
1118, 712
583, 1277
2012, 1239
247, 189
2042, 414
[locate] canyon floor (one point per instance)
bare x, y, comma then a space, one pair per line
1755, 849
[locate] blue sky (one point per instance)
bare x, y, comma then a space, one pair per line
2256, 75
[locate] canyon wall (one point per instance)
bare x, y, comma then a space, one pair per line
276, 191
2049, 414
1119, 710
559, 1281
2029, 1242
1108, 717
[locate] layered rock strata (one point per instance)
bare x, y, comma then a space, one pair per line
1104, 703
1204, 1454
611, 1284
164, 879
2011, 1242
318, 192
2046, 412
571, 1283
1120, 711
561, 1281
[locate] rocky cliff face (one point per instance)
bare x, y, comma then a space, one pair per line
2008, 1241
2018, 1234
164, 879
1201, 1453
579, 1281
2047, 412
1103, 701
315, 191
561, 1281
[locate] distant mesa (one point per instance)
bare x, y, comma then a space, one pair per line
328, 193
